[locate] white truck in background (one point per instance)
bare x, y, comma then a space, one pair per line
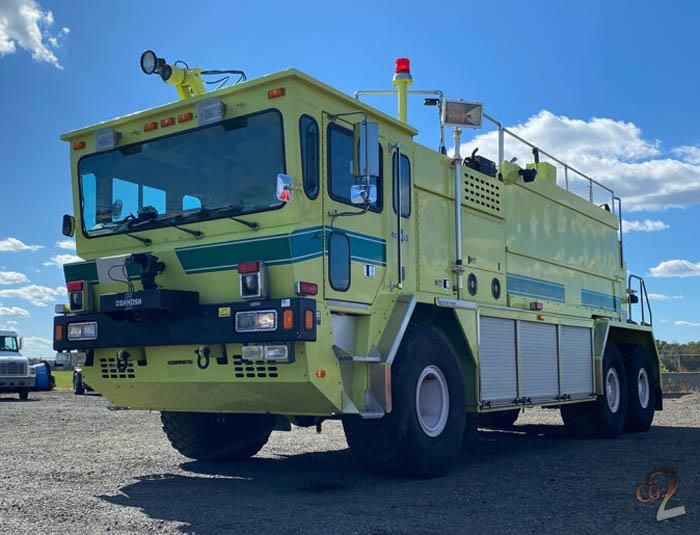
16, 373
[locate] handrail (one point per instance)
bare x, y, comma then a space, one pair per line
643, 299
501, 143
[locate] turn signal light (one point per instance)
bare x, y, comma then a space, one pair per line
288, 319
277, 92
320, 373
78, 145
75, 286
58, 333
308, 319
148, 127
248, 267
184, 117
168, 121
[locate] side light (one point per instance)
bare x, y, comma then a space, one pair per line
168, 121
149, 127
78, 145
276, 93
184, 117
320, 373
307, 288
308, 319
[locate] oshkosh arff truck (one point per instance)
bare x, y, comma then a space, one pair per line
278, 252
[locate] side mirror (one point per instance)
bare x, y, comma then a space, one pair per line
284, 188
68, 225
633, 299
361, 194
366, 156
20, 343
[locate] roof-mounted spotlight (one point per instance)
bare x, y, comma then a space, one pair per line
151, 64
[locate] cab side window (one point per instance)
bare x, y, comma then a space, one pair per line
405, 184
340, 176
310, 155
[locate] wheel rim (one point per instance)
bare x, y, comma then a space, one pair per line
612, 390
432, 401
643, 388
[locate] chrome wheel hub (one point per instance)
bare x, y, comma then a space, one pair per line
432, 401
612, 390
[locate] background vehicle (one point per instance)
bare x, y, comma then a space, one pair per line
16, 374
279, 249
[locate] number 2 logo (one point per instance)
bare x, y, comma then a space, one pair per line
660, 483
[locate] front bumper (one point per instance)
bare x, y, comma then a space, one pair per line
206, 324
13, 383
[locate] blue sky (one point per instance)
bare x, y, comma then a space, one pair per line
611, 86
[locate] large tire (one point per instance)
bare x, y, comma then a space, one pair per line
217, 437
78, 385
422, 435
605, 417
641, 390
23, 394
499, 420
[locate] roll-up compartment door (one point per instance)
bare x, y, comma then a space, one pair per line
497, 366
539, 372
576, 361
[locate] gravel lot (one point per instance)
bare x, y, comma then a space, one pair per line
69, 465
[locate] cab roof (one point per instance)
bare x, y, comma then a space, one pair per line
286, 74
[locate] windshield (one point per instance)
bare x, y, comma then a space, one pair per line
8, 343
228, 168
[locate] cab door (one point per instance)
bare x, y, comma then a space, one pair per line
355, 238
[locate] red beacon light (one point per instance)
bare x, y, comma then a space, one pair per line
403, 66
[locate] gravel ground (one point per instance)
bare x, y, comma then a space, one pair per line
69, 465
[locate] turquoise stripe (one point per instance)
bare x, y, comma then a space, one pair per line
529, 287
593, 299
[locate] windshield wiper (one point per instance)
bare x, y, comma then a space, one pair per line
146, 241
198, 234
229, 208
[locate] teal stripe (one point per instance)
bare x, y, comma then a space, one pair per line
529, 287
600, 300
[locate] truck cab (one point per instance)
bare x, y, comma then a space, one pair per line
16, 374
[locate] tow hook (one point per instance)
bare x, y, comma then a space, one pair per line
122, 360
203, 357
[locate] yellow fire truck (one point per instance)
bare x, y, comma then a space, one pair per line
276, 252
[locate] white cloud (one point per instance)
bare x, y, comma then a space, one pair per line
12, 322
24, 23
37, 347
13, 311
648, 225
61, 259
663, 297
12, 245
688, 153
682, 323
68, 245
35, 294
676, 268
12, 277
613, 152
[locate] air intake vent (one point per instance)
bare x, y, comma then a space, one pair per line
482, 193
254, 369
109, 370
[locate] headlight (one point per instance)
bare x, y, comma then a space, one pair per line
32, 370
82, 331
256, 321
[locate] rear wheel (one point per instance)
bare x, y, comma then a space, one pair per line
23, 394
423, 433
78, 385
499, 420
641, 391
605, 417
217, 437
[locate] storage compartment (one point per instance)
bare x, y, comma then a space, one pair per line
576, 361
539, 373
497, 366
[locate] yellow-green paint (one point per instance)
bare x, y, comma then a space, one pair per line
534, 232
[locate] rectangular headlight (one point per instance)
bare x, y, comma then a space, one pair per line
265, 320
82, 331
276, 352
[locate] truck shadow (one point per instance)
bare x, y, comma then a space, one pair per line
508, 479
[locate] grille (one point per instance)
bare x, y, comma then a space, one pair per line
254, 369
482, 194
109, 370
13, 368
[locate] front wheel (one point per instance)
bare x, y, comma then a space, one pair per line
78, 385
217, 437
422, 435
23, 394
